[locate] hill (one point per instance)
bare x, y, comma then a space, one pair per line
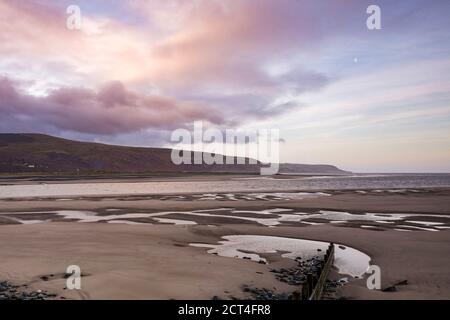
311, 169
39, 153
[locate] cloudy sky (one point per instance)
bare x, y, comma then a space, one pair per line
365, 100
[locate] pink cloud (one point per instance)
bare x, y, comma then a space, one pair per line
110, 110
205, 59
185, 44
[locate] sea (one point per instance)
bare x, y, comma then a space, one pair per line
228, 185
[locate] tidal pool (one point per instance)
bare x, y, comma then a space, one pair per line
267, 217
347, 260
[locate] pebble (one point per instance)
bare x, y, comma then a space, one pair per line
294, 276
11, 292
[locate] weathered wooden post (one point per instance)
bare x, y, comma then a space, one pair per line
317, 285
305, 291
296, 295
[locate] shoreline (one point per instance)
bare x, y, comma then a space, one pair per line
429, 200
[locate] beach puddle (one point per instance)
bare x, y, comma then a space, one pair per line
176, 221
277, 196
425, 223
267, 217
368, 227
347, 260
402, 230
133, 223
29, 221
417, 228
287, 196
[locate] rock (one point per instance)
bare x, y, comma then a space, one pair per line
402, 283
267, 294
12, 292
389, 289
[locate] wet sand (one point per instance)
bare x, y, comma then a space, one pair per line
154, 260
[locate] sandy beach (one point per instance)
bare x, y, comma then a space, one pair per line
140, 246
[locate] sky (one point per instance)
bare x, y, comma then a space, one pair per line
364, 100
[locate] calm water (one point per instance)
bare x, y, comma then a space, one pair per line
376, 181
349, 261
390, 181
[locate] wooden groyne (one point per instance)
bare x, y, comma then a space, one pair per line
315, 283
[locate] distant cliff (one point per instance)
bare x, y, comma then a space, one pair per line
38, 153
313, 169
